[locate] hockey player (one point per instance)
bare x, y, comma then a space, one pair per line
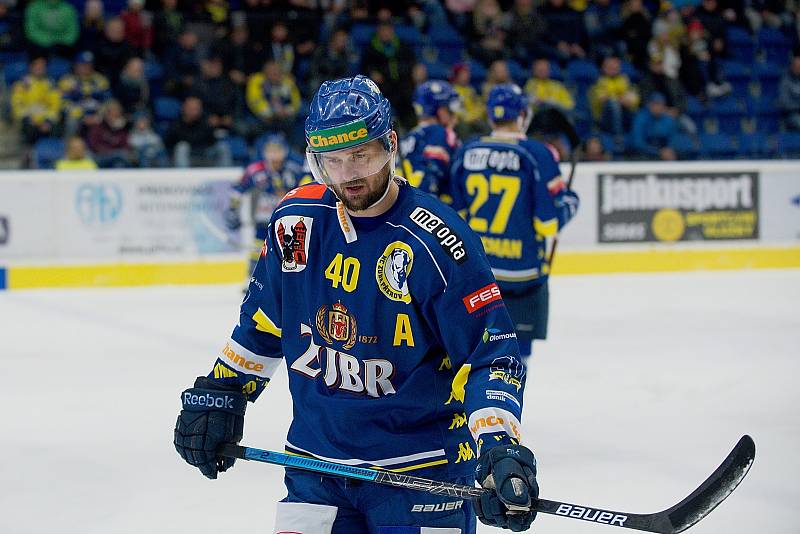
377, 296
514, 198
267, 181
428, 149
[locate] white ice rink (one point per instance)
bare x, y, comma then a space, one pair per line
645, 385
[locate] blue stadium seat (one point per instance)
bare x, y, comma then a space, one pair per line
729, 113
11, 56
769, 76
755, 146
788, 145
738, 75
582, 72
361, 34
741, 44
47, 151
240, 152
15, 71
153, 70
696, 110
449, 44
774, 45
719, 146
555, 72
57, 67
686, 147
166, 108
630, 71
610, 145
766, 114
518, 73
477, 74
437, 70
409, 35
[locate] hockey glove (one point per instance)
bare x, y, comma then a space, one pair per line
211, 416
509, 470
231, 215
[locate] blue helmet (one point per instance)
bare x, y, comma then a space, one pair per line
432, 95
346, 113
505, 102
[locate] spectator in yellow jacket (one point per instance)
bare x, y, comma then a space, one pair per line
472, 112
614, 99
273, 98
36, 103
546, 92
75, 157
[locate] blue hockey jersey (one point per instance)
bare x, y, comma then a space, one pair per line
268, 186
426, 154
513, 197
401, 354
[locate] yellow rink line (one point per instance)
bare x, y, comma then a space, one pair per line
567, 262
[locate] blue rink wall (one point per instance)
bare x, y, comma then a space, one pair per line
159, 227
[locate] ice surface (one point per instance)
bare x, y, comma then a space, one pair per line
646, 384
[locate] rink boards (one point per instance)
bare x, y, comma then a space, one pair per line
153, 227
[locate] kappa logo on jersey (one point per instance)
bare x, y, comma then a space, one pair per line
450, 242
480, 298
344, 371
392, 270
293, 233
508, 369
337, 323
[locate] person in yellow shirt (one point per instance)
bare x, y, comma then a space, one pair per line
472, 112
36, 103
613, 99
544, 92
273, 98
75, 157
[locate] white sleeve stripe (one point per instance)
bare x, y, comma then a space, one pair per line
246, 361
492, 419
426, 248
299, 204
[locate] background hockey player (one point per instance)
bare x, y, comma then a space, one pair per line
428, 149
514, 198
377, 296
267, 181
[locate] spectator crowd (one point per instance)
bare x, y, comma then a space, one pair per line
144, 83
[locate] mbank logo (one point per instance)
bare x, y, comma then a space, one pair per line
493, 334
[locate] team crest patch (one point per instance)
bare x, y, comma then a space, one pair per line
336, 323
393, 269
293, 233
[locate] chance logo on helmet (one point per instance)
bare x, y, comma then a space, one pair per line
339, 137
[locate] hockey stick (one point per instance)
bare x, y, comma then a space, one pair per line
678, 518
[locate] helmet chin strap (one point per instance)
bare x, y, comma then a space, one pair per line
388, 184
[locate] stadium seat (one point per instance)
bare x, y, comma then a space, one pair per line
153, 70
518, 73
788, 145
555, 72
437, 70
738, 75
630, 71
741, 44
718, 146
57, 67
361, 34
477, 74
408, 35
47, 151
686, 147
15, 71
729, 113
166, 108
774, 45
769, 76
754, 146
697, 111
240, 152
766, 114
582, 72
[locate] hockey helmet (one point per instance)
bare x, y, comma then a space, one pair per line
431, 95
345, 114
505, 103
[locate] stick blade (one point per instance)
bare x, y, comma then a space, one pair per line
715, 488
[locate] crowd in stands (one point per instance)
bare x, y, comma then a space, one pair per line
127, 83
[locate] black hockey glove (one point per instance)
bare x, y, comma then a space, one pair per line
509, 470
231, 216
211, 416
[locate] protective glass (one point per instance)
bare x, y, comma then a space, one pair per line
353, 163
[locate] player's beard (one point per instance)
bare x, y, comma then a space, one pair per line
374, 190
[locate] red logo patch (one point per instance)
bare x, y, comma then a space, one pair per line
313, 191
480, 298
